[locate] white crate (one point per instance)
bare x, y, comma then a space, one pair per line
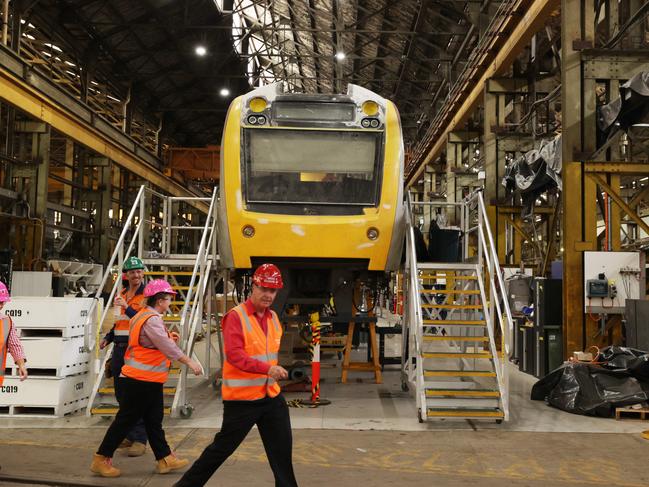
57, 357
63, 317
51, 396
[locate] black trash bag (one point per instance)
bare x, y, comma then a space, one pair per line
592, 390
631, 360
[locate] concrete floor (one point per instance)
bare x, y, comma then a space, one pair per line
369, 434
351, 458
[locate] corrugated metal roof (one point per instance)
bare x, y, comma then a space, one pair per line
404, 50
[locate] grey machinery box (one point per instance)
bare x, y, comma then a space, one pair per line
637, 324
548, 318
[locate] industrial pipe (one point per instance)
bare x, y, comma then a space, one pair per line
5, 22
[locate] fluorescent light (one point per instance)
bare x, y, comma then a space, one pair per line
340, 56
224, 92
53, 47
200, 50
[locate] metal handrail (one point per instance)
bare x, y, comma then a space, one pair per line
191, 314
119, 256
497, 295
210, 223
493, 253
414, 309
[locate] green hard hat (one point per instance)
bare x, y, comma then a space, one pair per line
132, 263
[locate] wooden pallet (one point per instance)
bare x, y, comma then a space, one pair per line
641, 413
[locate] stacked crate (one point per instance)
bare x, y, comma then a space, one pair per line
52, 333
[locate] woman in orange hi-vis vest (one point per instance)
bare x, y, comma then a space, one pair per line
251, 393
151, 348
129, 301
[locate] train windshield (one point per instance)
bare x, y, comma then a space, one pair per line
312, 166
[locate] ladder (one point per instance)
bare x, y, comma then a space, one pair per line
153, 233
457, 325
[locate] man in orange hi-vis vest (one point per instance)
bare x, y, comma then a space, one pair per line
251, 393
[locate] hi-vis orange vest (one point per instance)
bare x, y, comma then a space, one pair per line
141, 363
246, 386
5, 327
122, 323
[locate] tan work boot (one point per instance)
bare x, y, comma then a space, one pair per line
104, 466
169, 463
137, 449
126, 443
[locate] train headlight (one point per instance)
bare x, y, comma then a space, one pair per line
252, 120
248, 231
370, 108
258, 105
372, 233
261, 120
374, 123
365, 123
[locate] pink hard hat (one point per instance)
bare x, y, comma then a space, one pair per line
158, 286
4, 293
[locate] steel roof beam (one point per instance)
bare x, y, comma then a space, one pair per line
76, 121
514, 34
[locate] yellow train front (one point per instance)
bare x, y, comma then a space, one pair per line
312, 183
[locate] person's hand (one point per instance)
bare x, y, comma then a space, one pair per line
103, 344
120, 301
277, 372
23, 372
195, 366
174, 336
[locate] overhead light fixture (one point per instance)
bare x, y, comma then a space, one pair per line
340, 56
224, 92
200, 50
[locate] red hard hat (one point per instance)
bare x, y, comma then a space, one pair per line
268, 275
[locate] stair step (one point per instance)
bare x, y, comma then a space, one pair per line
112, 410
170, 318
446, 266
462, 393
444, 276
449, 291
167, 391
459, 373
169, 273
451, 306
183, 288
181, 303
464, 413
445, 338
455, 322
480, 355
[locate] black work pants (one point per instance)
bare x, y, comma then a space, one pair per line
140, 400
138, 432
274, 424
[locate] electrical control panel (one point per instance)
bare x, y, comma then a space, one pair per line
597, 288
610, 278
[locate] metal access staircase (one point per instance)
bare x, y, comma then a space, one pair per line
193, 275
457, 325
